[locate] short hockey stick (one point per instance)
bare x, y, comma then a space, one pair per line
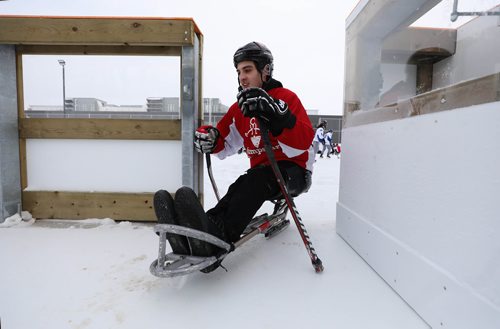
316, 262
211, 175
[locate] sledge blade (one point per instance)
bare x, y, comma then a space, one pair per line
276, 228
192, 233
176, 265
171, 265
256, 222
279, 213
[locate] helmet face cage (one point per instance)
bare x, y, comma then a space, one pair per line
257, 53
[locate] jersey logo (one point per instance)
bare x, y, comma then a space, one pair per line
254, 133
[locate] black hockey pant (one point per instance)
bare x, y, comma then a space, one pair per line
247, 194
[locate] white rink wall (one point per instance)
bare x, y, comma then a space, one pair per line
103, 165
418, 200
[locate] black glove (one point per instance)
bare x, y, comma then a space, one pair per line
205, 139
255, 102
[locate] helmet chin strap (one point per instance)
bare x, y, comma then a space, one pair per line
264, 83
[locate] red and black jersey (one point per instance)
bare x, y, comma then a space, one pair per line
292, 144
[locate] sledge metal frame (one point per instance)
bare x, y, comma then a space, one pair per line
172, 265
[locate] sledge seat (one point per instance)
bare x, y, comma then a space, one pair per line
294, 191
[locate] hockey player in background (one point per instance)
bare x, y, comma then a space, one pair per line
328, 144
319, 137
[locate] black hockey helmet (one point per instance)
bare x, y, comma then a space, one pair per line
323, 124
256, 52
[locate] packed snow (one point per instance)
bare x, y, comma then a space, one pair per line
94, 273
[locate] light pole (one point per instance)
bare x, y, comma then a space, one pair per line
62, 62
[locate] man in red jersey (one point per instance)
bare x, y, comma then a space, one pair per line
291, 134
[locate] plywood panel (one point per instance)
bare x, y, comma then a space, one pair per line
96, 31
70, 128
98, 50
82, 205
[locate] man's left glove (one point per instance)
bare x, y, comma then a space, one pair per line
256, 102
206, 138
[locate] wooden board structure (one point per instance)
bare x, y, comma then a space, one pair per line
148, 36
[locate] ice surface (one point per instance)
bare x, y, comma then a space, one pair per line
95, 274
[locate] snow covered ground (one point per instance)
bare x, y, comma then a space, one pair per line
95, 274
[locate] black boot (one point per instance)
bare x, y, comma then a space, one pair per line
216, 227
165, 212
191, 214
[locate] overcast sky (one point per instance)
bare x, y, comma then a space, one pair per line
305, 36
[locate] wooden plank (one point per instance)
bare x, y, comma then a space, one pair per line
358, 118
424, 77
467, 93
23, 163
82, 205
472, 92
19, 84
71, 128
98, 50
20, 115
96, 31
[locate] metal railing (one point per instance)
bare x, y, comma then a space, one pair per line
454, 14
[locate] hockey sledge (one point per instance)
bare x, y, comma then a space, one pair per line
170, 265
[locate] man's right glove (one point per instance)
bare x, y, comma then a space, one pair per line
256, 102
206, 138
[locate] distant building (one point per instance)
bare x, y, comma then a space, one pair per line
163, 104
213, 110
86, 104
157, 108
82, 104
